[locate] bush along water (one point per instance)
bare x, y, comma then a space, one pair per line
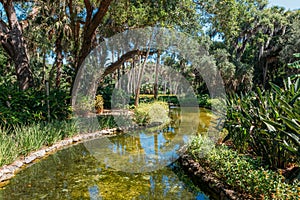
242, 173
267, 123
149, 113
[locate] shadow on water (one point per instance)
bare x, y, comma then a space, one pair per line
79, 173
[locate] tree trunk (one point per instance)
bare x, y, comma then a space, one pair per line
137, 93
59, 59
89, 34
155, 88
14, 45
91, 24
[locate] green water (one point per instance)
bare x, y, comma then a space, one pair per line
136, 165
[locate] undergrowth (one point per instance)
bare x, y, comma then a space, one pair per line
242, 173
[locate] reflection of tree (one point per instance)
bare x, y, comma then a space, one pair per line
169, 135
174, 114
128, 143
155, 144
206, 119
74, 174
58, 175
167, 186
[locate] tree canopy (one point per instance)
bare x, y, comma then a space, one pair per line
249, 42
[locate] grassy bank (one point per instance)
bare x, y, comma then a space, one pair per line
20, 140
243, 174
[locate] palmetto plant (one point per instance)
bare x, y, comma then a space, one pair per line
267, 122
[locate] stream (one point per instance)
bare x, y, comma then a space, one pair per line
134, 165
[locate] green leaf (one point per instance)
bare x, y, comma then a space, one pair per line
276, 88
270, 127
292, 123
272, 123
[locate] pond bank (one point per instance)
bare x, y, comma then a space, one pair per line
210, 184
8, 171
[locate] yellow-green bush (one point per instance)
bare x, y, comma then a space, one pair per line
148, 113
99, 102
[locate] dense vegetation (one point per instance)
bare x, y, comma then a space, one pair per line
253, 46
252, 51
243, 173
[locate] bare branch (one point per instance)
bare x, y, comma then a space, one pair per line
90, 29
116, 65
88, 6
103, 7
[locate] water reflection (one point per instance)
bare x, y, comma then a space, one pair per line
79, 173
74, 174
149, 149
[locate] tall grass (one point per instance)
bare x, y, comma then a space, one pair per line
7, 147
20, 139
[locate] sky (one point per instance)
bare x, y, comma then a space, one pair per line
288, 4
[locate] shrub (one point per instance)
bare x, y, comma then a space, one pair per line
147, 113
84, 105
24, 107
203, 100
242, 173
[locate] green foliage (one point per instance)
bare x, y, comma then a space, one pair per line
106, 122
148, 113
203, 99
291, 39
120, 98
242, 173
20, 139
17, 107
93, 124
3, 59
106, 90
8, 151
84, 104
200, 146
268, 122
29, 138
295, 65
141, 13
